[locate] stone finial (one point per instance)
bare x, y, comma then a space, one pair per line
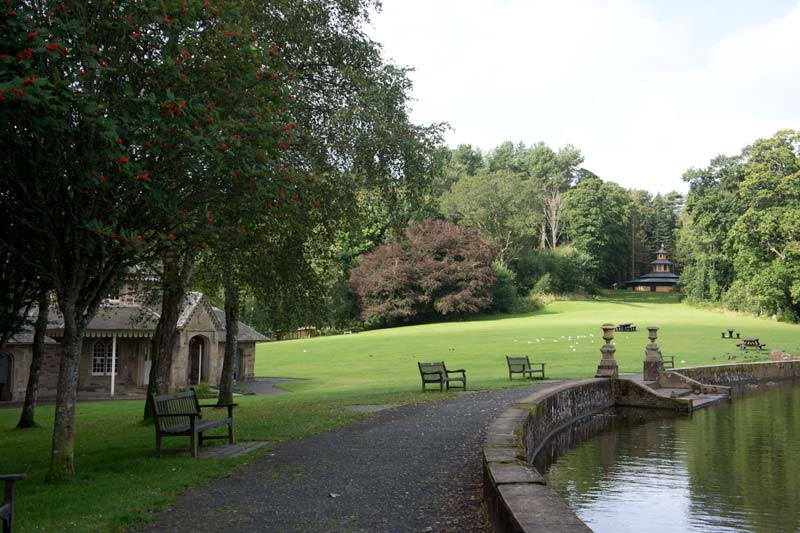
608, 365
653, 363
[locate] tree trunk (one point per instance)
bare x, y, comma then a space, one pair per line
27, 418
633, 247
62, 462
175, 279
231, 336
543, 232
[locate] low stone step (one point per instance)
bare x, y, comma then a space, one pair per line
674, 393
700, 401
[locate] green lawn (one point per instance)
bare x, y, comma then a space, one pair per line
565, 335
119, 480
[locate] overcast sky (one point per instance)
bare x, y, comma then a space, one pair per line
644, 88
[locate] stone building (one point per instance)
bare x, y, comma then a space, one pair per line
660, 279
116, 356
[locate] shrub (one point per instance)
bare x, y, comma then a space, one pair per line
435, 268
504, 293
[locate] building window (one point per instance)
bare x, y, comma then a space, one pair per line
101, 358
113, 294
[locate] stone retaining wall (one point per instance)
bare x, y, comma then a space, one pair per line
516, 495
743, 373
628, 393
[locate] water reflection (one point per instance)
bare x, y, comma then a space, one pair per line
732, 467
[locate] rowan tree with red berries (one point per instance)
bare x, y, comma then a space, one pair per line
122, 127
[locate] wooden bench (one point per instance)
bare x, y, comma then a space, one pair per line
669, 361
7, 505
626, 327
179, 415
750, 343
438, 373
520, 364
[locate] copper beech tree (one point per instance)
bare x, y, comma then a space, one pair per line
435, 268
123, 125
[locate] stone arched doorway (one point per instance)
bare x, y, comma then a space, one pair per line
5, 376
197, 369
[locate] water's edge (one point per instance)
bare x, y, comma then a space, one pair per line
516, 495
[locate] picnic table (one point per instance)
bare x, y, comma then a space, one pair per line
730, 334
626, 326
751, 343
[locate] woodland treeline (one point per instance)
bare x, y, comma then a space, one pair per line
555, 227
739, 238
552, 227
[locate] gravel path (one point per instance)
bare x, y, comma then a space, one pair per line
410, 468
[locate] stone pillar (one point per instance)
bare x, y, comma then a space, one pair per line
608, 365
653, 363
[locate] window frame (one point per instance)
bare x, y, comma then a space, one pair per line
103, 360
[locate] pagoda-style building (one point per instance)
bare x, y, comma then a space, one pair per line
661, 279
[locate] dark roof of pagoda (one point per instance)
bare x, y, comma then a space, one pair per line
661, 262
662, 250
655, 278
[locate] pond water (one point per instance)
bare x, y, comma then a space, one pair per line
731, 467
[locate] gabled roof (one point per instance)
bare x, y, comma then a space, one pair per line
246, 333
193, 302
141, 321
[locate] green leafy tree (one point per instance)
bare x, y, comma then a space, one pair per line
738, 240
462, 161
765, 236
704, 242
597, 214
640, 202
501, 205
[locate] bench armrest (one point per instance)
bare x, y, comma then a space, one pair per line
13, 477
454, 371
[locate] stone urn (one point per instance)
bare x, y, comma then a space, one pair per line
608, 365
653, 363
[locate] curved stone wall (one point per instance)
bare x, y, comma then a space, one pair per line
516, 494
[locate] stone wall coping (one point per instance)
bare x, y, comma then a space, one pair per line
540, 395
740, 363
515, 492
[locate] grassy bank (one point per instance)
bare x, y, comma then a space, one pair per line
120, 480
